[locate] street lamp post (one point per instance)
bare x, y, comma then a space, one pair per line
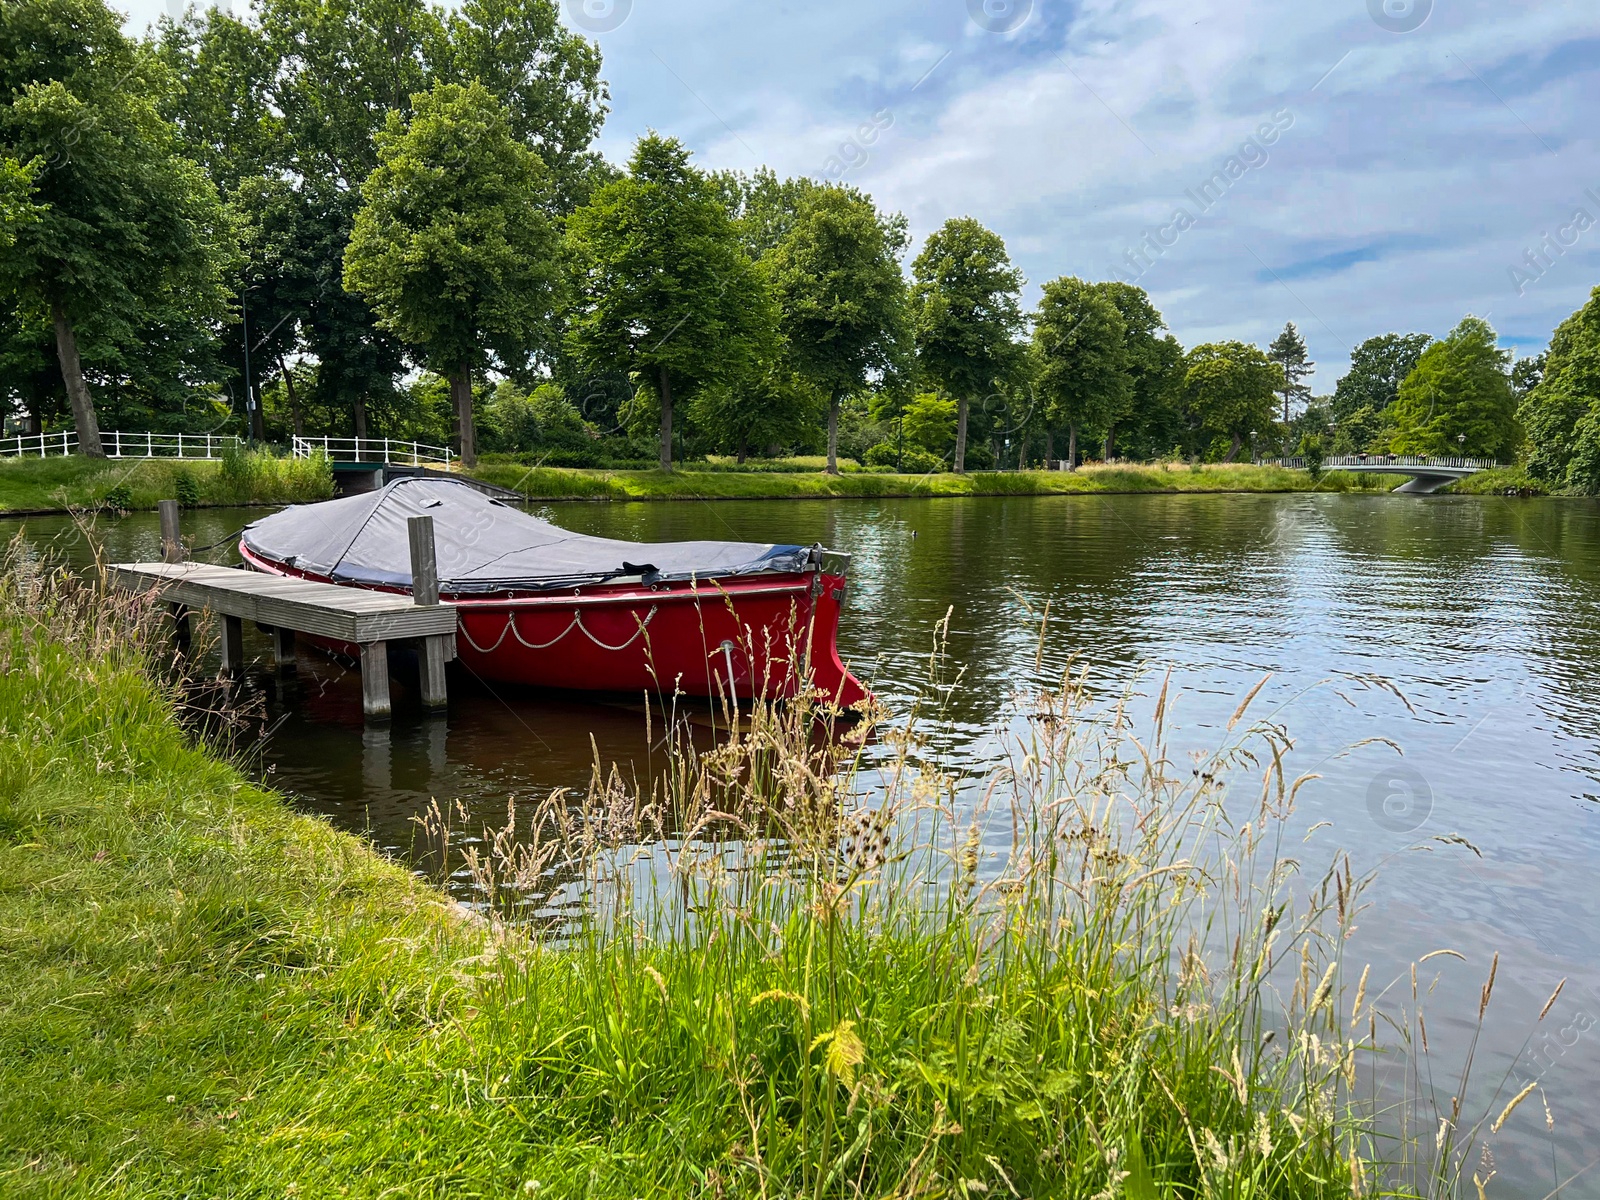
1255, 459
1461, 444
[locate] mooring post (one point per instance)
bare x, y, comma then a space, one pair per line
171, 537
232, 645
433, 651
172, 552
375, 681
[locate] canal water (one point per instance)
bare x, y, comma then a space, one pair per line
1484, 613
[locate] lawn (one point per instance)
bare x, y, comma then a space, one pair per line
57, 483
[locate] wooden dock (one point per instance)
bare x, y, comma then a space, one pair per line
284, 607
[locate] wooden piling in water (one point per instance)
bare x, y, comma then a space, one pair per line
433, 652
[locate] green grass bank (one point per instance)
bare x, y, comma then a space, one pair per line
690, 483
58, 483
204, 994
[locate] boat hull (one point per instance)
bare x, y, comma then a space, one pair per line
765, 633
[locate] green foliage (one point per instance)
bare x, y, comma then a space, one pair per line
1288, 350
929, 423
909, 459
1458, 399
452, 247
186, 489
1229, 390
1361, 432
1152, 421
1310, 449
966, 315
835, 274
126, 244
1559, 412
1377, 368
1080, 358
665, 291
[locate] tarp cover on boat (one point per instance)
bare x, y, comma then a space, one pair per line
483, 545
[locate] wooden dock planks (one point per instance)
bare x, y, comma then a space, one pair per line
367, 619
327, 610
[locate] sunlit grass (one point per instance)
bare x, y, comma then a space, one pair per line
58, 483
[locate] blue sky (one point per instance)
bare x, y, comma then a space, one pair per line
1413, 166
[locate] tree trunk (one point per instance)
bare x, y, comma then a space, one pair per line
296, 418
361, 422
1233, 451
666, 420
961, 436
744, 446
461, 395
1049, 449
1022, 454
1110, 441
77, 391
833, 433
1072, 446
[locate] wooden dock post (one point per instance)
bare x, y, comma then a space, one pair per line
375, 681
432, 652
172, 552
171, 536
282, 648
232, 645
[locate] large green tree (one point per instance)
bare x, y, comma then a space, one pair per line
452, 247
1080, 359
1230, 392
1377, 368
1150, 422
966, 315
1458, 398
129, 237
1561, 414
665, 290
836, 277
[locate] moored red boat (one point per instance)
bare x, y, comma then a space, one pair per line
542, 606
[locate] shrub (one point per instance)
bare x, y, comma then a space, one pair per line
186, 489
911, 460
119, 498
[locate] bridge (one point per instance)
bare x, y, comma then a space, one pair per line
1428, 474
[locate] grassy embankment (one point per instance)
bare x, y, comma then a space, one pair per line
689, 483
202, 993
56, 484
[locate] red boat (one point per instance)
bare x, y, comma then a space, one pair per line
546, 607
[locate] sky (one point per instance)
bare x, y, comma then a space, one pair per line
1354, 166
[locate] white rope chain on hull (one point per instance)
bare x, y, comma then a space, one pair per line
576, 623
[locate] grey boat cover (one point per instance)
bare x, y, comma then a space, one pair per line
484, 545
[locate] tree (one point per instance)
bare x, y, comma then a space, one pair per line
125, 232
1288, 350
1377, 368
1230, 391
835, 275
1560, 412
1080, 358
1458, 399
665, 290
966, 314
1153, 361
451, 247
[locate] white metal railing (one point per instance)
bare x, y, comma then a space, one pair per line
387, 450
122, 445
1384, 461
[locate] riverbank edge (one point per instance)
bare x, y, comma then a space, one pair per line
145, 483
